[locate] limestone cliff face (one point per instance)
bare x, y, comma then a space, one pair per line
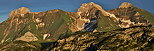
21, 11
90, 10
86, 12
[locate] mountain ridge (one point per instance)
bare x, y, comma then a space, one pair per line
85, 14
52, 26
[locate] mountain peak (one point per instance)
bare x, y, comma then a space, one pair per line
90, 3
125, 5
22, 10
90, 8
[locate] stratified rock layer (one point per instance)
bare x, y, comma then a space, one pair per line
135, 38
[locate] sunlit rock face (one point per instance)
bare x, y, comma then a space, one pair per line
135, 38
21, 11
125, 5
87, 12
28, 37
128, 16
90, 10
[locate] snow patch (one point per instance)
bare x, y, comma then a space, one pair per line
126, 23
41, 24
124, 26
38, 20
22, 15
141, 23
45, 36
88, 14
112, 16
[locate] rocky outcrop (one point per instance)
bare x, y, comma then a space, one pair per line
90, 10
135, 38
28, 37
125, 5
21, 11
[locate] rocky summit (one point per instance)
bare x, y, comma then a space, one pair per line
125, 5
91, 28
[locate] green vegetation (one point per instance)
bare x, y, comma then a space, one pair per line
67, 34
56, 23
105, 24
66, 17
18, 46
146, 14
38, 43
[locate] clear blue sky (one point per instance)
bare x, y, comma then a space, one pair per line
6, 6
